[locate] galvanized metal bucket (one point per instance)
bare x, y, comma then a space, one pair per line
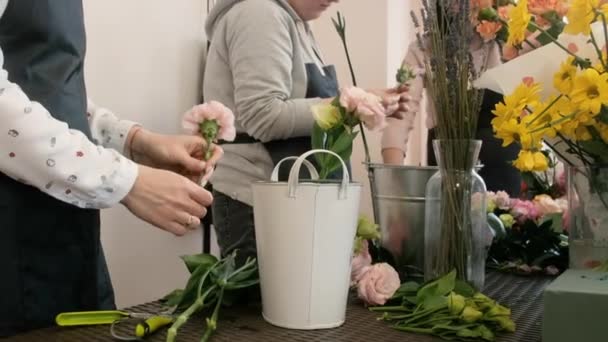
398, 197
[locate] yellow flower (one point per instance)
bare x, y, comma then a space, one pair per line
580, 15
514, 131
519, 18
582, 133
513, 104
564, 78
531, 161
590, 91
327, 116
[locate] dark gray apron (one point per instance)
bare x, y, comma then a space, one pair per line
319, 85
50, 252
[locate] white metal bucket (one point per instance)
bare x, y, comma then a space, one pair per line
304, 234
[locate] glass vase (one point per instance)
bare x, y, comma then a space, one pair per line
587, 216
456, 232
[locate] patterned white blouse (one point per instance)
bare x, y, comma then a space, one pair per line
38, 150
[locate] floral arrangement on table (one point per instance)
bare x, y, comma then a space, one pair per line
530, 237
562, 102
447, 308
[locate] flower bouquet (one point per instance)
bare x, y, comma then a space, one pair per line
530, 237
557, 95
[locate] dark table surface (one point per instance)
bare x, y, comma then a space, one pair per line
522, 294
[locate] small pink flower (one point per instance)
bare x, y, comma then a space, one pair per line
378, 284
210, 111
503, 201
488, 29
546, 205
561, 181
503, 12
551, 270
366, 106
572, 47
360, 262
524, 210
528, 80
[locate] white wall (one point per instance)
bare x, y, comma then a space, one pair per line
378, 33
143, 63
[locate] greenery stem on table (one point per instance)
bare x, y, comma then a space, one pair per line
207, 286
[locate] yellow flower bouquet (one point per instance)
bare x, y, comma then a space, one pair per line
557, 96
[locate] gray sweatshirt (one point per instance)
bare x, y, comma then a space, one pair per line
256, 67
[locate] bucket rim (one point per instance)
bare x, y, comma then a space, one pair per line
309, 182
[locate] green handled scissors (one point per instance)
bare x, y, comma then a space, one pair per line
148, 323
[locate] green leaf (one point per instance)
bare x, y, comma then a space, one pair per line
318, 142
173, 298
597, 148
194, 261
343, 146
242, 284
556, 222
439, 287
435, 302
464, 289
191, 291
554, 31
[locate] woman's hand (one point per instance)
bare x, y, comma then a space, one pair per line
179, 153
167, 200
394, 100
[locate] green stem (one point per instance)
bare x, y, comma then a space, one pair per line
414, 330
543, 31
559, 154
605, 29
545, 110
433, 320
212, 323
184, 316
388, 309
597, 50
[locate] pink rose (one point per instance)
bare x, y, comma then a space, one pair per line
360, 262
210, 111
502, 200
551, 270
367, 107
488, 29
378, 284
524, 210
546, 205
479, 4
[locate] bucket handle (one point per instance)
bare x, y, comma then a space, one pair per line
294, 174
314, 175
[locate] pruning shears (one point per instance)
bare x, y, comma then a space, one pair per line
146, 323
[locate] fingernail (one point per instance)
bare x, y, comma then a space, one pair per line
203, 165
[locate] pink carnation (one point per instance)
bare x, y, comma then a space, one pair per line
502, 200
366, 106
210, 111
488, 29
360, 262
378, 284
524, 210
547, 205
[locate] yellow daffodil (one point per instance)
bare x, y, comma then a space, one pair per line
582, 133
580, 16
519, 18
590, 91
563, 80
531, 161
